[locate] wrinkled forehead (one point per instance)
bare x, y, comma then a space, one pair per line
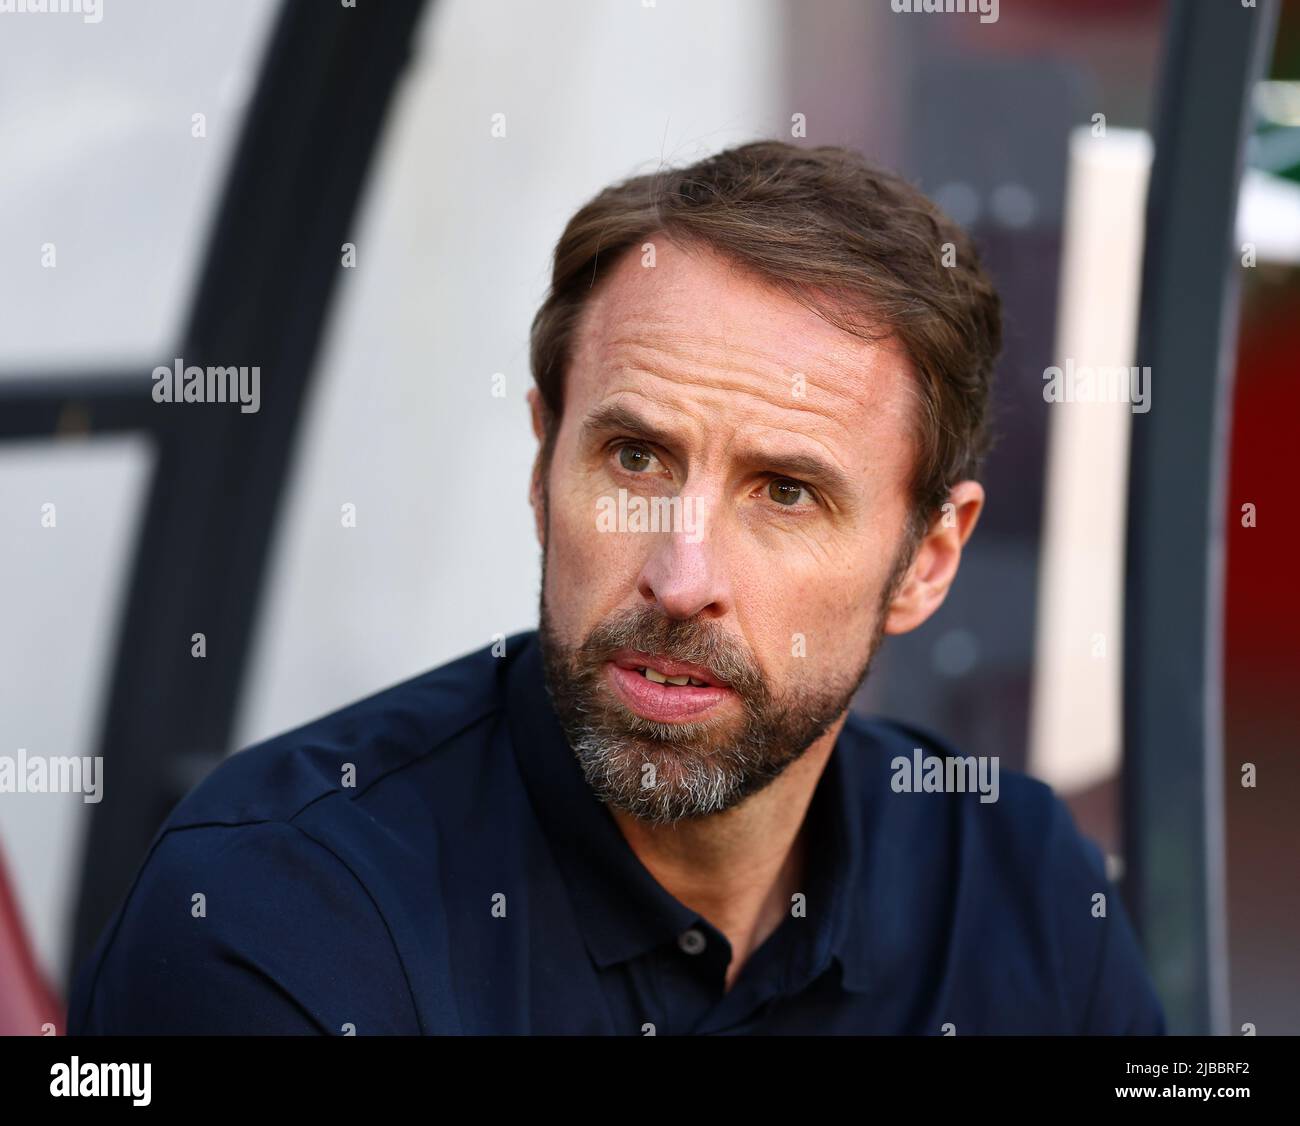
699, 333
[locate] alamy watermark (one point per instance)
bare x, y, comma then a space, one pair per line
37, 774
76, 1079
1071, 383
90, 11
987, 9
181, 384
630, 513
948, 774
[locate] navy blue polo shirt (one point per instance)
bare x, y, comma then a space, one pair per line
431, 860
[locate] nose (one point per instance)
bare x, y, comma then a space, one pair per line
685, 575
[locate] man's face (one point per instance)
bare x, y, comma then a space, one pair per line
788, 445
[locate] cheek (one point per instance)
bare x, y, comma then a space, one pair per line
589, 572
810, 616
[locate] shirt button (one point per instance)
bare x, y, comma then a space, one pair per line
692, 941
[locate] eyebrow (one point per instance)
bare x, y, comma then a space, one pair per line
807, 468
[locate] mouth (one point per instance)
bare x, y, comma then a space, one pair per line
662, 670
664, 690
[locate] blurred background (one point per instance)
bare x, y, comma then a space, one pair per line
181, 179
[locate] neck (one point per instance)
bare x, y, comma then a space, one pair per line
739, 868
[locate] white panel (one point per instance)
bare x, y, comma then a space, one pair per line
1075, 723
100, 163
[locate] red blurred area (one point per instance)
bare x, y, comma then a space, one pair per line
27, 1004
1263, 610
1262, 661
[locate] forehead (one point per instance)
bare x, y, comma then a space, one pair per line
700, 336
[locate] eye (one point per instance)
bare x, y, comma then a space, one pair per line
787, 493
635, 459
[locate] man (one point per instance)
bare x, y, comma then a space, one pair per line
761, 389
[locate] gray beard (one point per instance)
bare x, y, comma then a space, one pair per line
666, 772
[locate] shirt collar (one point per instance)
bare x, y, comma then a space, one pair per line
621, 910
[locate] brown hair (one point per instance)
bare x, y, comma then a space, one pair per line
856, 244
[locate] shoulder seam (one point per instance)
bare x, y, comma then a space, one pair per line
286, 818
482, 717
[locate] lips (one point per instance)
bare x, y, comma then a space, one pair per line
664, 667
655, 697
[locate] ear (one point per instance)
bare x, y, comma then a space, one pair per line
537, 409
539, 413
938, 555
